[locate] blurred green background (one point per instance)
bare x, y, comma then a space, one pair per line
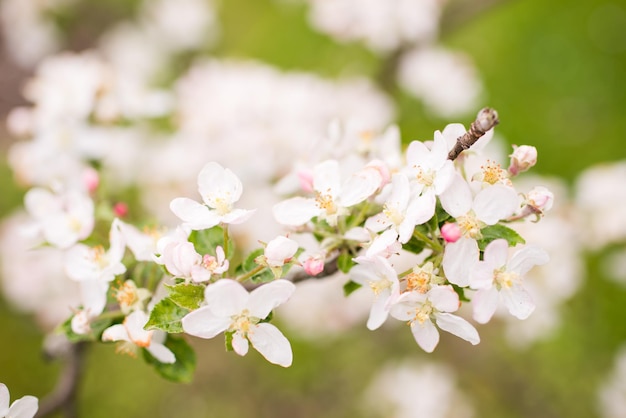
556, 73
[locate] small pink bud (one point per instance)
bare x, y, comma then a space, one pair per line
313, 265
91, 179
306, 180
120, 209
451, 232
540, 198
523, 158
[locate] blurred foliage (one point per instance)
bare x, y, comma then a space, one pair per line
555, 74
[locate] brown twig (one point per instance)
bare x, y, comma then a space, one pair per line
63, 397
486, 119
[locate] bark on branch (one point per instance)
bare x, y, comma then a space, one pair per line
487, 118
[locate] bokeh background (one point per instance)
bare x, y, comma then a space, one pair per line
556, 73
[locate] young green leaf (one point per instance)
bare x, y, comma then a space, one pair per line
186, 295
497, 231
350, 287
166, 316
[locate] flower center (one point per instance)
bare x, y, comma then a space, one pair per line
418, 281
422, 314
504, 279
427, 178
242, 322
378, 286
98, 256
326, 202
470, 226
126, 295
209, 262
393, 214
221, 205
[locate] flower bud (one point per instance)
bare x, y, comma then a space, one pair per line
120, 209
91, 179
522, 159
451, 232
540, 199
306, 180
313, 265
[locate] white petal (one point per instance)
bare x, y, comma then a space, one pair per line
240, 344
439, 151
481, 276
216, 182
426, 335
115, 332
204, 324
459, 259
272, 344
444, 298
444, 178
381, 243
226, 297
161, 353
117, 243
280, 249
359, 187
400, 191
378, 313
195, 215
237, 216
526, 258
25, 407
5, 399
517, 300
94, 296
495, 203
457, 326
268, 296
457, 199
378, 222
417, 154
134, 324
496, 253
484, 303
421, 208
295, 211
326, 178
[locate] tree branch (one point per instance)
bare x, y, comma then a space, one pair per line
63, 397
487, 118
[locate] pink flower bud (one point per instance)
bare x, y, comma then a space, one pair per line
540, 198
313, 265
450, 232
522, 159
91, 179
120, 209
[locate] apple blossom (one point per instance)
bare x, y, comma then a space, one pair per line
220, 189
332, 199
377, 274
25, 407
473, 213
132, 336
278, 252
499, 278
424, 310
63, 219
230, 308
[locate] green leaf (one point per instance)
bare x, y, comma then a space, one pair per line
498, 231
182, 370
147, 274
205, 241
350, 287
345, 262
186, 295
414, 245
166, 316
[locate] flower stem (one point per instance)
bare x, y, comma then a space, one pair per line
249, 274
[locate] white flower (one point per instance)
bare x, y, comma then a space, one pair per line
489, 206
377, 274
331, 197
220, 189
132, 331
63, 219
424, 310
278, 252
230, 308
400, 212
459, 259
498, 277
25, 407
94, 269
